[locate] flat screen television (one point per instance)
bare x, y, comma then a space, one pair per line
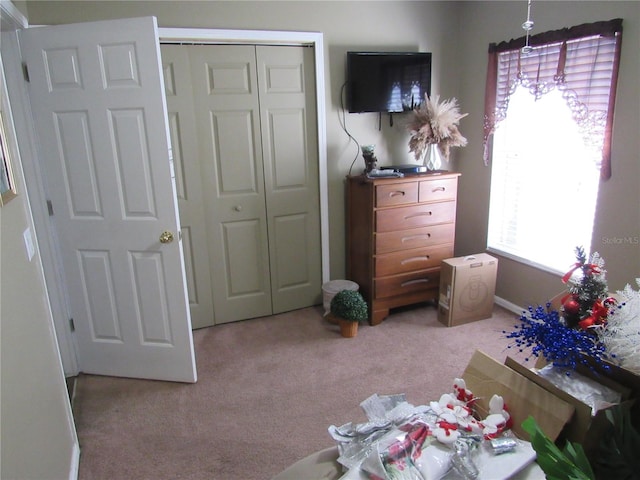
387, 81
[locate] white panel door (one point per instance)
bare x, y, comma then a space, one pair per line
98, 102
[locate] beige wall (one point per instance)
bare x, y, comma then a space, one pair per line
38, 437
458, 34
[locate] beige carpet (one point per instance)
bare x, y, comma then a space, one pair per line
268, 389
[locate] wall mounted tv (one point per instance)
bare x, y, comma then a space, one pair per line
387, 81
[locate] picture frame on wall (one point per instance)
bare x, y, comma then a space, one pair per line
7, 184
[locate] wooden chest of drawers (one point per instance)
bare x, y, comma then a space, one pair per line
398, 232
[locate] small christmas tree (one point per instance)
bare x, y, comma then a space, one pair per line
588, 302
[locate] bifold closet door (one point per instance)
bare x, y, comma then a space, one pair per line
182, 130
286, 88
228, 126
254, 117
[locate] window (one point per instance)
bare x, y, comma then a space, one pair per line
548, 120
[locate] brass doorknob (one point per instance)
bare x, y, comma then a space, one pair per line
166, 237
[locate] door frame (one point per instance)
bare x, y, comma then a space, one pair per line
38, 196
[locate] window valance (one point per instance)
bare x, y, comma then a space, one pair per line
582, 62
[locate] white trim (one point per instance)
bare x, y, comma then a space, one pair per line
12, 18
74, 469
314, 39
525, 261
512, 307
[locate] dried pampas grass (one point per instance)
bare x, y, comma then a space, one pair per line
435, 122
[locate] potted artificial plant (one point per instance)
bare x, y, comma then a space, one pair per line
348, 307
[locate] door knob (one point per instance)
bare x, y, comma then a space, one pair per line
166, 237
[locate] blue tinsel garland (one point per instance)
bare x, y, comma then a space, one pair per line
544, 332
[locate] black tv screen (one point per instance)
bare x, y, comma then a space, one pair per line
387, 81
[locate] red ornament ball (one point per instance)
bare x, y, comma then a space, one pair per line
571, 306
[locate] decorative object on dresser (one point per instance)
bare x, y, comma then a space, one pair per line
398, 232
370, 160
434, 130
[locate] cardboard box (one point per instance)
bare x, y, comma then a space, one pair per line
486, 377
584, 428
467, 289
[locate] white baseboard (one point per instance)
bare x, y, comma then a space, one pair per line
75, 462
512, 307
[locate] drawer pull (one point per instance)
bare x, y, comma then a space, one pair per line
419, 214
438, 189
414, 282
397, 193
411, 238
414, 259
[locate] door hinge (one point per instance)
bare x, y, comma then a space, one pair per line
50, 208
72, 325
25, 72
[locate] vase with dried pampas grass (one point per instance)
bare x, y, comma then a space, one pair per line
434, 130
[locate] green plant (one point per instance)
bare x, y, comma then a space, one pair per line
571, 463
617, 456
349, 305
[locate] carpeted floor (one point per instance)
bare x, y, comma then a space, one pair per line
268, 389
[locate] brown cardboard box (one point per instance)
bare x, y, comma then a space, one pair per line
486, 377
584, 428
467, 288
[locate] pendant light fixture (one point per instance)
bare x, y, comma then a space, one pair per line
527, 27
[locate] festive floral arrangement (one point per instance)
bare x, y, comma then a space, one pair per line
590, 326
435, 122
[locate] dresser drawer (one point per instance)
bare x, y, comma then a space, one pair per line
406, 283
439, 189
421, 215
414, 238
412, 260
388, 195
